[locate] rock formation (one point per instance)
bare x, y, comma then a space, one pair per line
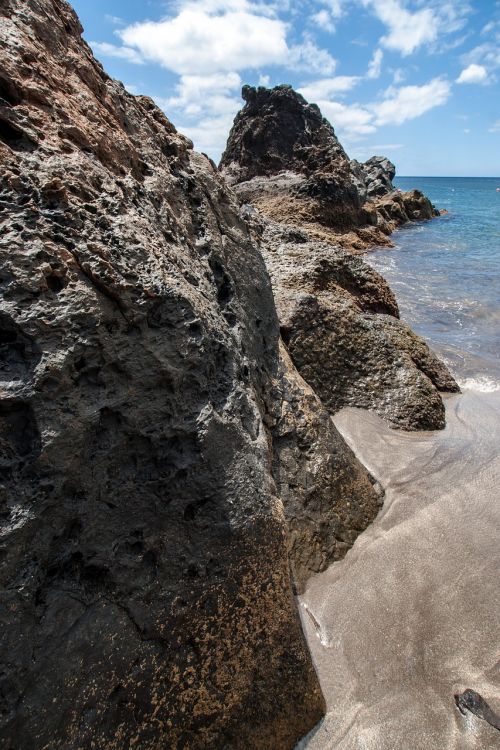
328, 497
340, 323
306, 203
284, 158
152, 441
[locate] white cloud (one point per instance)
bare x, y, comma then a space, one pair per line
264, 80
208, 134
326, 87
398, 76
495, 127
111, 50
197, 40
487, 55
473, 74
334, 6
375, 65
324, 20
115, 20
196, 95
308, 57
409, 102
351, 119
407, 30
382, 148
203, 108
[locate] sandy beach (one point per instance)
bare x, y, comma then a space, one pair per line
410, 616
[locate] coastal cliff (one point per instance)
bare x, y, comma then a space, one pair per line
168, 477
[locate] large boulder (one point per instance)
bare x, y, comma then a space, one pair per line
377, 175
145, 591
328, 497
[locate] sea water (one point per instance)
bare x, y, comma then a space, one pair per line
446, 275
411, 616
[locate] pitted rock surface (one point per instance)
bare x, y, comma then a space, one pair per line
146, 599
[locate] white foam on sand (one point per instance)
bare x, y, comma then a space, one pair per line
411, 614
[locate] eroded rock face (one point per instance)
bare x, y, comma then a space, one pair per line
376, 174
146, 598
340, 322
328, 497
283, 157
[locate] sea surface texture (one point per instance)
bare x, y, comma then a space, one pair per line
411, 615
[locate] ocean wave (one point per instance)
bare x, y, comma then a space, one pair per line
481, 383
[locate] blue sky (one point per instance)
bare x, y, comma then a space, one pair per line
415, 80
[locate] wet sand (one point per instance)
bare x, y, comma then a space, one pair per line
411, 615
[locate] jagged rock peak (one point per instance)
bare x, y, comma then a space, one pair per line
278, 130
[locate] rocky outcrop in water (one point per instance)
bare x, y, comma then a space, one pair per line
161, 464
283, 157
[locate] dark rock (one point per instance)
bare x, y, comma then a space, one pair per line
145, 591
377, 175
328, 497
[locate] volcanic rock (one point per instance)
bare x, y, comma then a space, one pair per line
145, 590
327, 495
340, 323
283, 157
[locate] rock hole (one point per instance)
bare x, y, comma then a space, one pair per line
15, 138
18, 352
55, 283
9, 92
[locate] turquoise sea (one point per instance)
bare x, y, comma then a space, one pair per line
446, 275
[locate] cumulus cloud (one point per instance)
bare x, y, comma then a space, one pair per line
409, 102
407, 29
473, 74
198, 94
324, 20
351, 119
375, 65
209, 134
398, 106
196, 40
306, 56
326, 87
486, 55
203, 107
